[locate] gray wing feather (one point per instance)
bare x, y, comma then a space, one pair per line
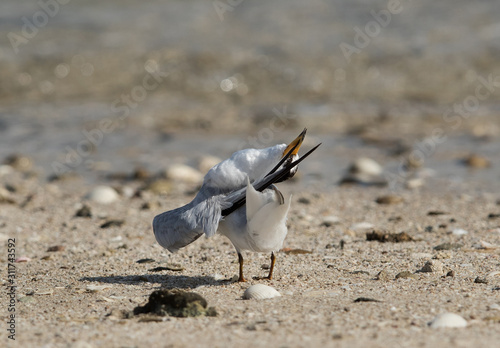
177, 228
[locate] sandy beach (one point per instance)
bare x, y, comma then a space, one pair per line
394, 220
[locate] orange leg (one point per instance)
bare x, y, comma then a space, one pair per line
240, 260
273, 261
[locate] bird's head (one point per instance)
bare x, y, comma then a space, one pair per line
294, 146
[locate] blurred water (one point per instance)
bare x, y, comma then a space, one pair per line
70, 66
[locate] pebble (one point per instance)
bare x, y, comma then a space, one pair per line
56, 248
383, 237
177, 303
103, 194
5, 196
361, 226
406, 274
366, 166
481, 280
160, 186
447, 320
260, 292
459, 232
477, 161
421, 256
5, 169
84, 211
389, 199
365, 171
184, 173
448, 246
330, 220
97, 288
112, 223
433, 266
382, 275
19, 162
22, 259
485, 245
414, 183
206, 163
145, 261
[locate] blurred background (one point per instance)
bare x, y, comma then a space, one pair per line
100, 87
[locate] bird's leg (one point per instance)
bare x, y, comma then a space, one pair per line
240, 260
273, 261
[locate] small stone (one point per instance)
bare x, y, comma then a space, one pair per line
447, 320
433, 266
493, 216
414, 183
177, 303
22, 259
436, 213
450, 274
361, 226
140, 174
6, 197
366, 299
481, 280
207, 162
56, 248
19, 162
171, 267
84, 211
184, 173
103, 195
365, 171
459, 232
112, 223
448, 246
290, 251
382, 275
97, 288
384, 237
406, 274
330, 220
145, 261
304, 200
389, 199
160, 186
476, 161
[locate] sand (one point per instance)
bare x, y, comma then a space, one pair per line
73, 297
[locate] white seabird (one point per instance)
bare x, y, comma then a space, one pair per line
239, 199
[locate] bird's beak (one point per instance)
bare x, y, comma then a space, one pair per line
296, 143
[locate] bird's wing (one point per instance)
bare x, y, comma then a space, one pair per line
177, 228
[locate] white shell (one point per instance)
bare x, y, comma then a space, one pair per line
183, 173
366, 166
362, 226
103, 194
260, 292
447, 320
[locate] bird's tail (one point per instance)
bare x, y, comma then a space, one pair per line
238, 198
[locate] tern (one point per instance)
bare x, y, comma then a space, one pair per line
239, 200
